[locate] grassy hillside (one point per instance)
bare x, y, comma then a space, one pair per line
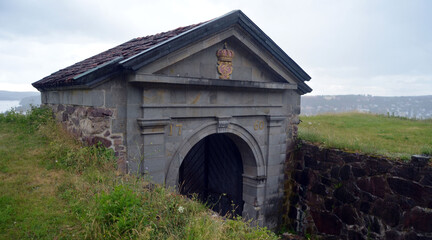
376, 134
51, 187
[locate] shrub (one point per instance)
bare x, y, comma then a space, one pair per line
32, 120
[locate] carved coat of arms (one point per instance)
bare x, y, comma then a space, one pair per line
225, 57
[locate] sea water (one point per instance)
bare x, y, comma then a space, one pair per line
8, 105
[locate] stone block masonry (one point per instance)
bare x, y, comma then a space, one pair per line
92, 125
340, 195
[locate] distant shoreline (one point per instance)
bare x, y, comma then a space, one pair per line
11, 96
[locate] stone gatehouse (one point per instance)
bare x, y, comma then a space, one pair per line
210, 108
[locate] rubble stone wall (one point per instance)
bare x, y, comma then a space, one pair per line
339, 195
92, 125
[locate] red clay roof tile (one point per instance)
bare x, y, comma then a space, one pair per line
126, 50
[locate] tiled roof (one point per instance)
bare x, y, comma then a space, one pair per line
138, 52
65, 77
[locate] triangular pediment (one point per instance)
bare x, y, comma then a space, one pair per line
199, 60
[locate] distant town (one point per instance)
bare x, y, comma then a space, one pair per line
417, 107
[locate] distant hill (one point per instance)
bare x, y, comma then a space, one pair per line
419, 107
27, 102
9, 96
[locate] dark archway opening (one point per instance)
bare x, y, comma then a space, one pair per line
213, 170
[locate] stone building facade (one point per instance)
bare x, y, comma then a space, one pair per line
210, 108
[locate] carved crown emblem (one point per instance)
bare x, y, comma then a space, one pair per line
225, 57
224, 54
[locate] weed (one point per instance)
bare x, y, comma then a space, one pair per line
117, 209
78, 158
338, 185
31, 121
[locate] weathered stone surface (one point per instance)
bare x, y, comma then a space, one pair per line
375, 185
329, 204
420, 219
60, 108
95, 140
107, 133
118, 148
415, 236
334, 156
95, 126
351, 157
301, 177
70, 110
358, 172
389, 212
347, 214
80, 112
427, 179
377, 166
393, 235
353, 235
319, 189
330, 238
310, 161
76, 132
407, 172
365, 207
326, 181
75, 121
342, 194
334, 172
314, 200
345, 172
323, 166
374, 225
420, 160
99, 112
326, 222
406, 188
427, 196
65, 117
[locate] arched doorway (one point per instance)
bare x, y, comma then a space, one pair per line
213, 170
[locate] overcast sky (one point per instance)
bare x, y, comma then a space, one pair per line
377, 47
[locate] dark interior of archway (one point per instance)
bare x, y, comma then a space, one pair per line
212, 170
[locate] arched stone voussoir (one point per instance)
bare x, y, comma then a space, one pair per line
249, 148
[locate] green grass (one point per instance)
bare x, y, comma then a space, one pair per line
52, 187
393, 137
